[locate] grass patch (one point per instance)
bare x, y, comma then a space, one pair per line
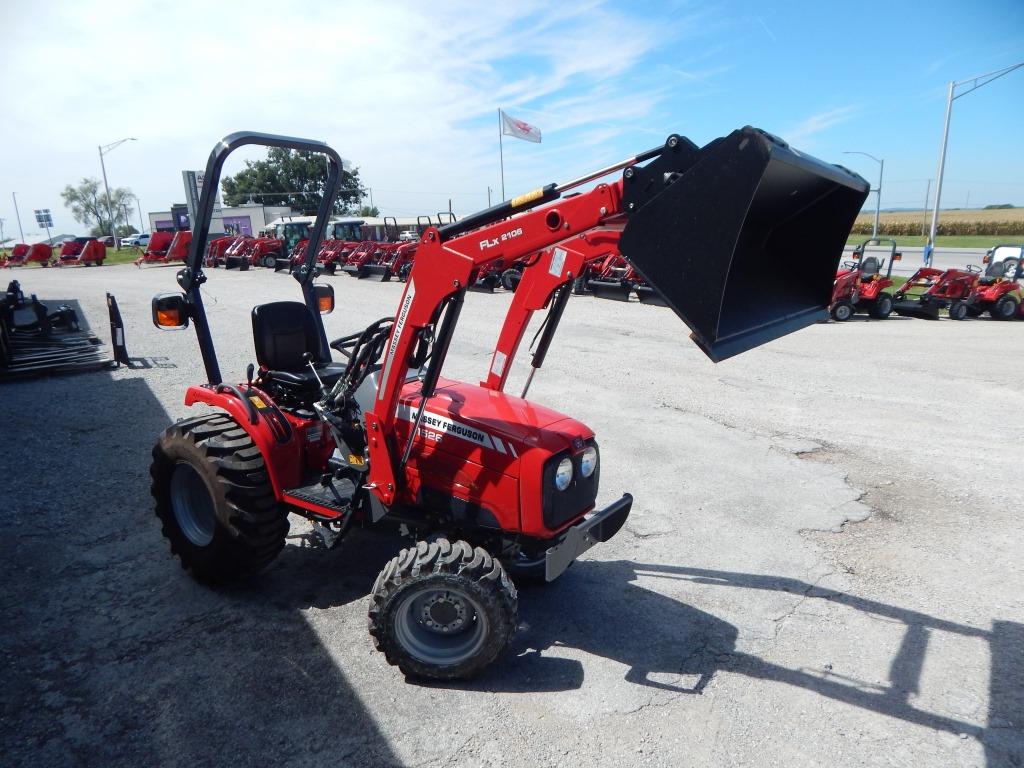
124, 256
944, 241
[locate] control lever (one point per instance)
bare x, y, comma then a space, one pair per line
307, 358
248, 378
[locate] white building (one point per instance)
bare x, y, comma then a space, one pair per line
241, 219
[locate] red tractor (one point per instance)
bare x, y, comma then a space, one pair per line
82, 251
16, 256
961, 292
488, 487
860, 285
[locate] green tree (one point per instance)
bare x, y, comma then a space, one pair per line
289, 177
88, 204
371, 211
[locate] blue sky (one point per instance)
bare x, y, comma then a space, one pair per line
409, 91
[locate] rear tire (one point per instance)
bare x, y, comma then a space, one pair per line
882, 307
442, 610
842, 311
1004, 309
214, 499
958, 310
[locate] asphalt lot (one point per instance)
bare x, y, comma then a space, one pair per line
823, 565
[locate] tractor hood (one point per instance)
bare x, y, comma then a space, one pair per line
463, 418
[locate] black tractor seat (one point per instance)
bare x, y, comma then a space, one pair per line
283, 332
869, 266
995, 272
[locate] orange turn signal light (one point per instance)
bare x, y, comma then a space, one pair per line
168, 318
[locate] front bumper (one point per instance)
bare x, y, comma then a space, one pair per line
597, 527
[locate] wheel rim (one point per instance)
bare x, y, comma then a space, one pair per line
268, 261
192, 505
442, 626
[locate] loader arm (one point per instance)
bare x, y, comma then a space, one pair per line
550, 270
697, 223
440, 276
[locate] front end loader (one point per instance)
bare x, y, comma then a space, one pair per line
488, 487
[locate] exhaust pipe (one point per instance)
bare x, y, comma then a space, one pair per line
706, 225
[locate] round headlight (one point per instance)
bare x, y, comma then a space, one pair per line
588, 462
563, 475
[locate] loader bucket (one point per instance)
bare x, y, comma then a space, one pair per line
924, 310
615, 290
379, 272
709, 228
282, 265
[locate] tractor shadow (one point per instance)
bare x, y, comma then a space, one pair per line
668, 645
112, 655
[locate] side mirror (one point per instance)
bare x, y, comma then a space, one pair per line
170, 311
898, 256
324, 298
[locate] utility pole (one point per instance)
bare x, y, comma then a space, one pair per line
975, 83
968, 205
924, 220
488, 197
878, 191
14, 196
142, 227
110, 213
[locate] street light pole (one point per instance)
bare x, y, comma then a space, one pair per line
976, 83
878, 191
14, 196
106, 187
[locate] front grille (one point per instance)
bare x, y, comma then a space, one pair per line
562, 506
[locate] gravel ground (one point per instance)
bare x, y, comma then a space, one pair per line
823, 565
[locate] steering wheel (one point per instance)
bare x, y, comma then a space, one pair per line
973, 268
850, 265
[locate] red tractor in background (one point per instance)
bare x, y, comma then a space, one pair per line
488, 487
962, 292
82, 251
860, 285
16, 257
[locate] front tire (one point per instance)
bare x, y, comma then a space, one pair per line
442, 610
842, 311
958, 310
1004, 309
214, 499
882, 307
269, 261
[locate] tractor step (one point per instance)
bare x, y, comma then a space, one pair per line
336, 497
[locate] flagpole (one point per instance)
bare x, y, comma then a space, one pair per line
501, 154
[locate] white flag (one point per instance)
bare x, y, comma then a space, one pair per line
512, 127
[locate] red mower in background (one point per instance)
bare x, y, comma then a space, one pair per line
485, 486
860, 285
16, 257
82, 251
37, 253
166, 248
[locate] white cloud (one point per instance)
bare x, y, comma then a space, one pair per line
802, 133
408, 91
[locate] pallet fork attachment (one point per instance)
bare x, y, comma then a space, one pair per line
706, 224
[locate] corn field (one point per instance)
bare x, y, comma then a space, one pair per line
955, 222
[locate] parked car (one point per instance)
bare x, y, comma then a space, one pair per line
137, 239
107, 240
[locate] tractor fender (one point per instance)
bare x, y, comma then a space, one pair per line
282, 459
